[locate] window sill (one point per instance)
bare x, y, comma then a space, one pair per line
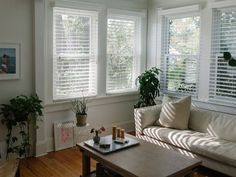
93, 101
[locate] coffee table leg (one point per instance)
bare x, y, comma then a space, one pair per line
86, 164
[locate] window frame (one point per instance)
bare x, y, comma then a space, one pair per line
47, 62
202, 100
140, 48
90, 14
49, 43
176, 13
212, 97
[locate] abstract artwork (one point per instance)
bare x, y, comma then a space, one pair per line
9, 61
64, 135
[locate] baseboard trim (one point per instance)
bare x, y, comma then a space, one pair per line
41, 148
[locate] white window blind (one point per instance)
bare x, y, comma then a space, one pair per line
180, 54
223, 76
123, 60
74, 53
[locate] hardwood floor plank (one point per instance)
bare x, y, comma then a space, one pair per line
68, 163
37, 167
57, 168
64, 163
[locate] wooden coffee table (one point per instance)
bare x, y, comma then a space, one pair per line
143, 160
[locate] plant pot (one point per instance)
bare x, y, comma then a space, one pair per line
81, 120
96, 139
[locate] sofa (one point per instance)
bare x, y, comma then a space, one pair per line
210, 137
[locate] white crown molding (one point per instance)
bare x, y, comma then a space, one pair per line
179, 10
222, 4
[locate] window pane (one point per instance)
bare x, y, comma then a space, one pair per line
184, 35
180, 53
75, 46
121, 58
222, 75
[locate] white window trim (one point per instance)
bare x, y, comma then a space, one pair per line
222, 4
77, 5
180, 10
43, 35
57, 98
141, 45
177, 13
49, 40
205, 52
218, 100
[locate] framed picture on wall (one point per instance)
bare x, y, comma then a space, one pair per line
64, 135
9, 61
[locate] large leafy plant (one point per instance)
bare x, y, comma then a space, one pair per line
149, 87
18, 114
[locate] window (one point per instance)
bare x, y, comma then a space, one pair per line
123, 52
223, 76
74, 53
180, 54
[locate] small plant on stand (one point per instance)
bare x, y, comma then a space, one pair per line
80, 108
96, 138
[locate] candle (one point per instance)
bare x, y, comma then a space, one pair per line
118, 132
122, 133
114, 132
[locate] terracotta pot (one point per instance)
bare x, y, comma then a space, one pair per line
81, 120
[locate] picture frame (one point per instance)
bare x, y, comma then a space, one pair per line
63, 135
9, 61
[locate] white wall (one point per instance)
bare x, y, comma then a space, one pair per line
16, 19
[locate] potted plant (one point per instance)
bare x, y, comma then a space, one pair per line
149, 87
22, 112
80, 108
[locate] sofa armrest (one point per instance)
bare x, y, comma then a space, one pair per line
145, 117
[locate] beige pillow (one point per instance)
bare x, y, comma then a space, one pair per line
175, 114
149, 115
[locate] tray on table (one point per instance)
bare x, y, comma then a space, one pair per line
113, 145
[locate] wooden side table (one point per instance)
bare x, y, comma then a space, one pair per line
9, 168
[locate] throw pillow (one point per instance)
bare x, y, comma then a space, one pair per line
175, 114
149, 115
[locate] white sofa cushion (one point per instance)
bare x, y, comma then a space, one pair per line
176, 114
216, 124
199, 143
148, 115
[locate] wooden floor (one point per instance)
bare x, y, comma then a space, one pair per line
68, 163
64, 163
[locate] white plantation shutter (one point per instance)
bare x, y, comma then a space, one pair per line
74, 53
123, 61
180, 54
223, 76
